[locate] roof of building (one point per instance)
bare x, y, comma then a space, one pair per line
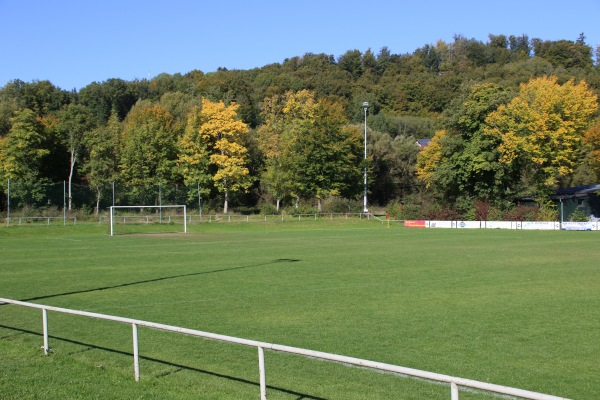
423, 142
572, 191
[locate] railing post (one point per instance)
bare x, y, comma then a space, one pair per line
136, 354
45, 329
262, 372
453, 391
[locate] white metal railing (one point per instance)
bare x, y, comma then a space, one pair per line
454, 382
144, 218
48, 220
113, 217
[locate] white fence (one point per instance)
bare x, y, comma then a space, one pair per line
525, 225
211, 218
454, 382
38, 220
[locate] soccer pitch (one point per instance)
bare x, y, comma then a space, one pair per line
515, 308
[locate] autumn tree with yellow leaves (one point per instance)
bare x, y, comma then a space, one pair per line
592, 140
542, 129
223, 133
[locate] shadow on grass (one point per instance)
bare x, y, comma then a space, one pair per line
180, 367
279, 260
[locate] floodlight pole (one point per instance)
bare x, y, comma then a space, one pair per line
365, 106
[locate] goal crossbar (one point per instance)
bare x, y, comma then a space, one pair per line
113, 208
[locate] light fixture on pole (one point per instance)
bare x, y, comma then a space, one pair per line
365, 106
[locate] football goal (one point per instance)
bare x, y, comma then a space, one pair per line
135, 215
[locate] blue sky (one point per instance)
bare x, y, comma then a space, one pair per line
73, 43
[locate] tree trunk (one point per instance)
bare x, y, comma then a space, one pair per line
319, 207
278, 202
226, 205
98, 195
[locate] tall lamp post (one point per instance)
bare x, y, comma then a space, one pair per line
365, 106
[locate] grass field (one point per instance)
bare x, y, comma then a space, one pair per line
516, 308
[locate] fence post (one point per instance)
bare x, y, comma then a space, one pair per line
136, 354
45, 330
262, 372
453, 391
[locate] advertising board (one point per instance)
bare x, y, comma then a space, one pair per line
579, 226
441, 224
540, 225
468, 224
499, 225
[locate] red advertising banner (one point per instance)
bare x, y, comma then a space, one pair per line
414, 224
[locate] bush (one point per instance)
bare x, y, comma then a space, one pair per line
335, 204
247, 210
394, 210
578, 215
522, 213
302, 209
441, 213
268, 208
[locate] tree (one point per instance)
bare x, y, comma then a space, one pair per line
462, 162
115, 96
592, 140
194, 154
393, 166
275, 142
74, 123
351, 61
220, 126
542, 129
102, 163
429, 158
564, 53
148, 149
327, 151
22, 153
310, 150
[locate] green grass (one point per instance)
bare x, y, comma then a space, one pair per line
516, 308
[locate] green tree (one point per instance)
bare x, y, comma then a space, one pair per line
393, 166
194, 155
564, 53
148, 149
462, 162
115, 96
327, 150
75, 122
22, 153
275, 140
102, 164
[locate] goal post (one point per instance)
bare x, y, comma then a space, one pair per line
113, 218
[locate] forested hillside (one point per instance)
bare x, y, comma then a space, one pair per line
509, 117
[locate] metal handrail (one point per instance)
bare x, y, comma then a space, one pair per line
454, 382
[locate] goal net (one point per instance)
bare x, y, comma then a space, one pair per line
155, 216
